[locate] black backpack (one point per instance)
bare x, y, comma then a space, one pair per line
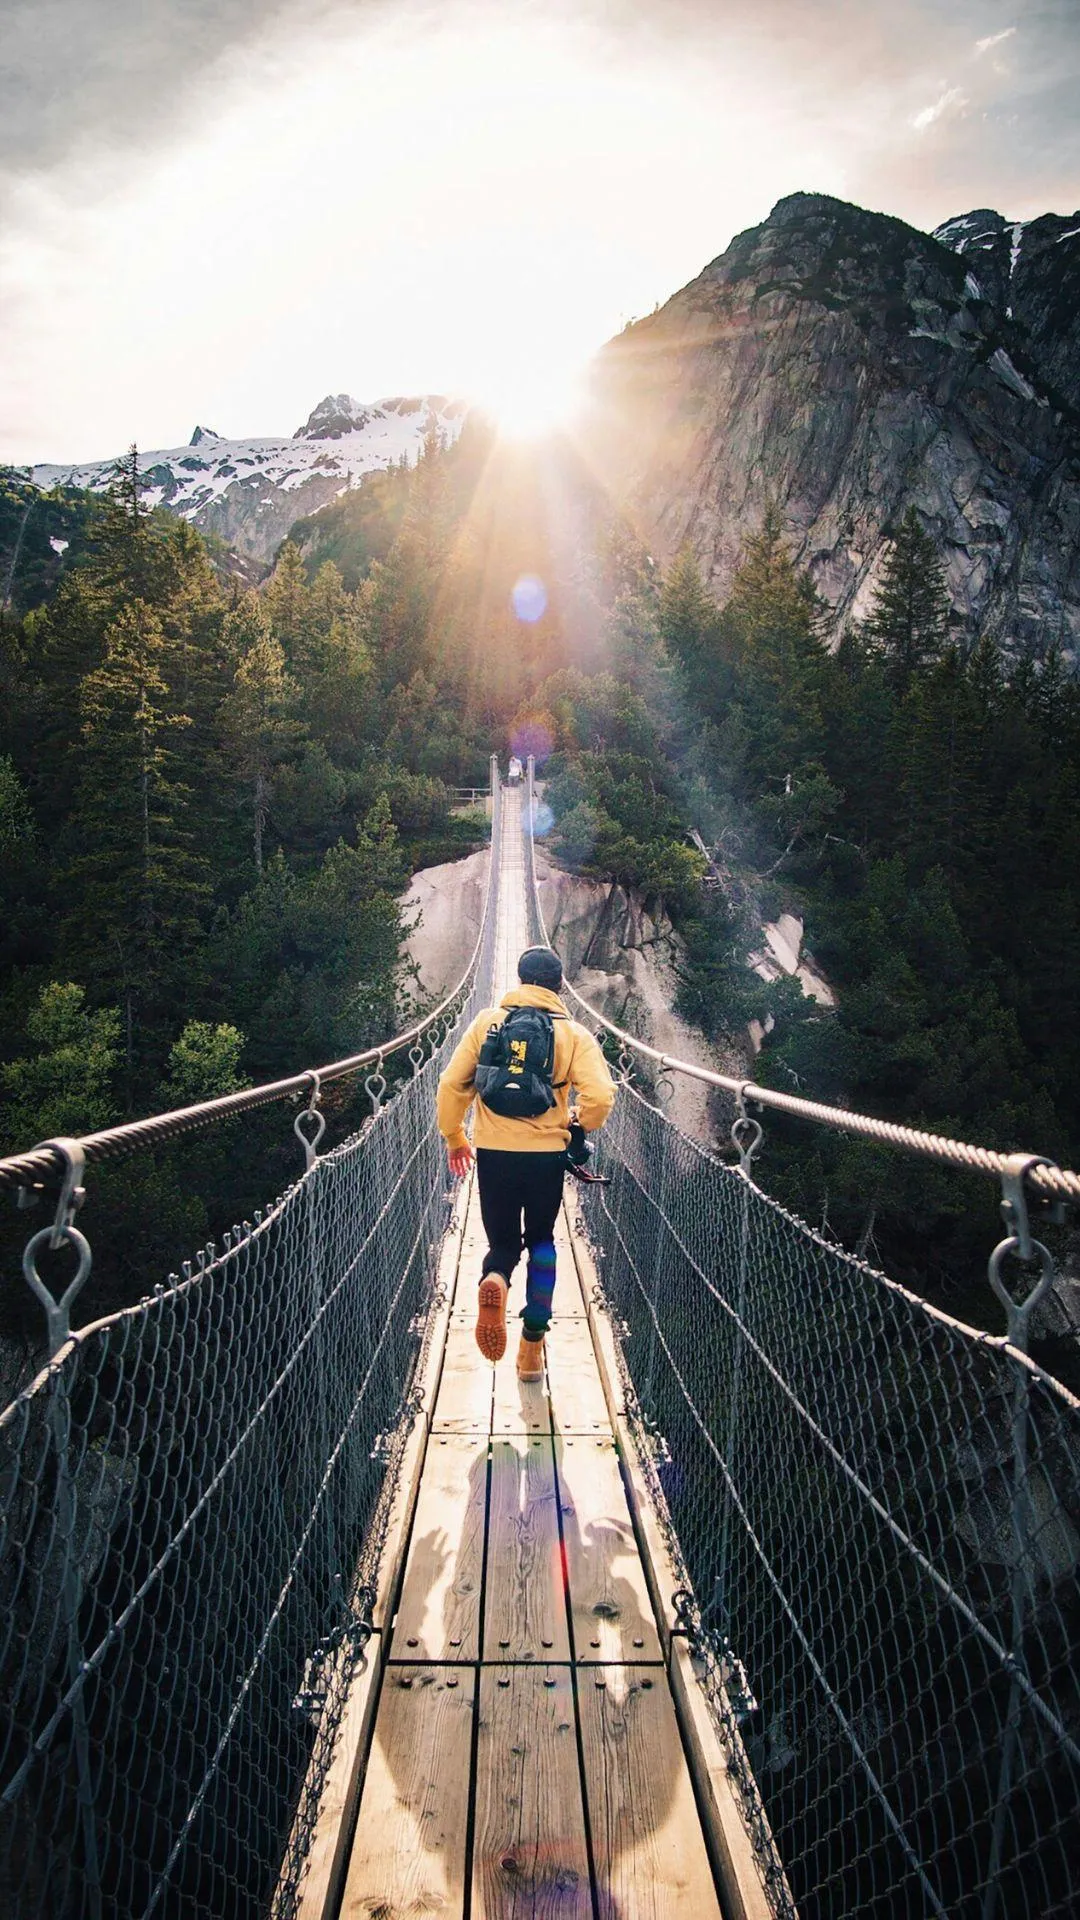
517, 1061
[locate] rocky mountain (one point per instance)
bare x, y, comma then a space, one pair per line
848, 366
250, 492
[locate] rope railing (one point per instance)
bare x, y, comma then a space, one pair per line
873, 1512
195, 1494
1043, 1176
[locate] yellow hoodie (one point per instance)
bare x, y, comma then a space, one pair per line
579, 1063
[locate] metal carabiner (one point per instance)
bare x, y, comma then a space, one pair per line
375, 1086
747, 1133
72, 1195
1019, 1241
312, 1111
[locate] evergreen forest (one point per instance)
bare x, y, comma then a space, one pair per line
212, 796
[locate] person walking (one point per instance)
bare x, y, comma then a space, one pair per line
518, 1063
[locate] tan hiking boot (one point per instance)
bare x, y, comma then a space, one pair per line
491, 1316
530, 1360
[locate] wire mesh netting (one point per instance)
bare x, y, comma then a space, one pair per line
877, 1510
193, 1501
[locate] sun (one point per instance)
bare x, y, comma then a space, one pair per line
527, 401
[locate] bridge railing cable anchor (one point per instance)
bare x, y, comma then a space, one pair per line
62, 1232
375, 1086
309, 1136
1020, 1244
747, 1133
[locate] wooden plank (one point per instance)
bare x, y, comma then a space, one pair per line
610, 1608
438, 1615
578, 1404
662, 1578
408, 1856
327, 1853
524, 1601
569, 1293
464, 1400
518, 1406
736, 1865
530, 1860
403, 1496
648, 1852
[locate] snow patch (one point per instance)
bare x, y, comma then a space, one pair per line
1008, 375
187, 479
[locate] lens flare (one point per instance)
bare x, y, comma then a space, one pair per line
532, 736
528, 597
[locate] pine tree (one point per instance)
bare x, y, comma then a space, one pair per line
774, 605
771, 632
287, 600
909, 620
941, 815
136, 883
688, 617
258, 722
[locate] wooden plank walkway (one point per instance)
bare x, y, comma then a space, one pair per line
526, 1761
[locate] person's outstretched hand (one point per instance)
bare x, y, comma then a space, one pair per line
459, 1159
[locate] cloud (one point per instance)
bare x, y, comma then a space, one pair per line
949, 100
109, 78
226, 207
993, 40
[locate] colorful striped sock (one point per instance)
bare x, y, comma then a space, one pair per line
539, 1287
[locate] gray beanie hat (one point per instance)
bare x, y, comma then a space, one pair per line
540, 967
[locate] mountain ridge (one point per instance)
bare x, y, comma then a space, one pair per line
249, 492
846, 366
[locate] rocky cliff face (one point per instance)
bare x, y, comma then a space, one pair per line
849, 366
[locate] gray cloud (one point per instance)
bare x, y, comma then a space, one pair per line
995, 81
119, 74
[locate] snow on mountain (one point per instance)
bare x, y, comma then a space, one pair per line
1030, 270
251, 491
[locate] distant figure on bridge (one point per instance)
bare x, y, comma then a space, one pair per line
518, 1063
514, 771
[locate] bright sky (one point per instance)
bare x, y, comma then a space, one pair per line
223, 209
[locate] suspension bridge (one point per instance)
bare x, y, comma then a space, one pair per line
766, 1601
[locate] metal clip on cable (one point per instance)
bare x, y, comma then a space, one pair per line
375, 1085
687, 1625
747, 1133
72, 1195
310, 1141
1019, 1242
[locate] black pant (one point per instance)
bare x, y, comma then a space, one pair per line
513, 1185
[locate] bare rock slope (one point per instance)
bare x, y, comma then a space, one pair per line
848, 366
